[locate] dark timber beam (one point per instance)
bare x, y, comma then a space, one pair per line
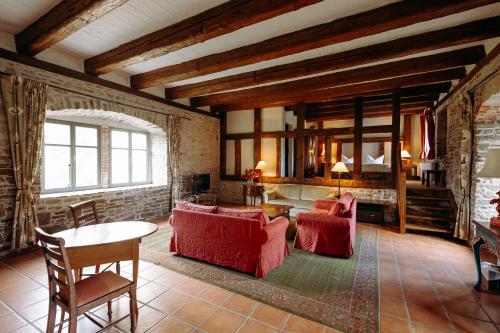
358, 138
371, 114
371, 22
369, 101
257, 141
395, 133
430, 63
462, 34
361, 89
217, 21
366, 107
299, 139
61, 21
222, 142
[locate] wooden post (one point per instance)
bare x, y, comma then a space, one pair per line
299, 167
278, 157
328, 157
257, 141
358, 137
396, 109
223, 129
407, 133
339, 151
237, 157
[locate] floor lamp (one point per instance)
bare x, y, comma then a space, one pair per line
339, 167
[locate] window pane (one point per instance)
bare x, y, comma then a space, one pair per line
86, 167
139, 141
86, 136
56, 167
57, 134
119, 166
139, 166
119, 139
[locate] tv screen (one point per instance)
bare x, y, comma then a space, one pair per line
201, 183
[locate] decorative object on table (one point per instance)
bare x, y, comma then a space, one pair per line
250, 175
491, 169
340, 168
260, 167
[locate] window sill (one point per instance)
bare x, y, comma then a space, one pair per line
97, 191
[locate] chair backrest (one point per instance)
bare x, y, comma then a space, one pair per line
84, 213
60, 276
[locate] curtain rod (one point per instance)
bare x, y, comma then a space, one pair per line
107, 100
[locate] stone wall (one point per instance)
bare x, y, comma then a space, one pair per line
486, 134
199, 151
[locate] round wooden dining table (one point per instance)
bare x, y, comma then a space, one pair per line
103, 243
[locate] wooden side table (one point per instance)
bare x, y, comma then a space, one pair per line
253, 191
485, 233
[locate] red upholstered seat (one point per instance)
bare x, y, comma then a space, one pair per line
95, 287
321, 231
242, 240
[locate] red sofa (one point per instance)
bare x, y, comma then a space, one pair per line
223, 237
328, 230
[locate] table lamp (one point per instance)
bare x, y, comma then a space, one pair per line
261, 166
405, 154
339, 167
491, 169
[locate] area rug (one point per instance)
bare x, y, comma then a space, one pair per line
340, 293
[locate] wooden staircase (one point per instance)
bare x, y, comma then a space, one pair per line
430, 209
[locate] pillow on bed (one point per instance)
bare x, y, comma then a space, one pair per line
379, 160
347, 160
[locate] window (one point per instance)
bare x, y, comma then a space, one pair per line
129, 157
70, 157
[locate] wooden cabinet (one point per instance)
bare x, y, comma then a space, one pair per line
370, 212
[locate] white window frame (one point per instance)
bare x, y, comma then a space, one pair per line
72, 187
130, 149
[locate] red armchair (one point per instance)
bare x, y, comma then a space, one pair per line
320, 231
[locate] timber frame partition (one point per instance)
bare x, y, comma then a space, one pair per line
300, 133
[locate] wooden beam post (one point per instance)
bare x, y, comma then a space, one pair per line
237, 157
257, 141
278, 157
328, 157
299, 152
396, 104
358, 137
407, 133
223, 130
338, 158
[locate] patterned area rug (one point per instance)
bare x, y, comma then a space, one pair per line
340, 293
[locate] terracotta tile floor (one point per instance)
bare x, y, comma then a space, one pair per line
424, 287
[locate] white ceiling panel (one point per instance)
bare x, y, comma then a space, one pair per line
15, 15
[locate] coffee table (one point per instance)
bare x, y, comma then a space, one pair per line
274, 210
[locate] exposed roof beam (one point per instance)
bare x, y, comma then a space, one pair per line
374, 114
370, 101
462, 34
377, 72
385, 18
366, 107
60, 22
362, 89
214, 22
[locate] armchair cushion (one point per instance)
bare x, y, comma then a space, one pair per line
253, 214
194, 207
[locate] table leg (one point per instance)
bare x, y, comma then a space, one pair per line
427, 179
476, 247
135, 274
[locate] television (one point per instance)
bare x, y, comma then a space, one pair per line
201, 183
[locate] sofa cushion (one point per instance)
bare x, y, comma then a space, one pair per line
194, 207
342, 206
254, 214
288, 191
310, 192
315, 210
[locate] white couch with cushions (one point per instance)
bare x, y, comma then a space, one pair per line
302, 197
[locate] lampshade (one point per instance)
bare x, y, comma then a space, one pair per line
262, 165
340, 167
405, 154
491, 168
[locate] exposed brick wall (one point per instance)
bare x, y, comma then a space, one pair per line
199, 152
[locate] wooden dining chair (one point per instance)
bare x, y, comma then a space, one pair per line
77, 298
85, 213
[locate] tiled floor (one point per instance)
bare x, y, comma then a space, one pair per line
424, 281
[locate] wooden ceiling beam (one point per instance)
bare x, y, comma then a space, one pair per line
374, 114
367, 107
420, 90
214, 22
462, 34
371, 22
61, 21
429, 63
370, 101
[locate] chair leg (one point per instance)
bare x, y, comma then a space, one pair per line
97, 267
118, 267
110, 312
61, 321
51, 319
72, 322
133, 311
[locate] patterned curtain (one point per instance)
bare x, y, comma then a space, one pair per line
463, 216
173, 151
25, 105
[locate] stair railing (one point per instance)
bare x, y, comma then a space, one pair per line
401, 191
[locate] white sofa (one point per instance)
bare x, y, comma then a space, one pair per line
302, 197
